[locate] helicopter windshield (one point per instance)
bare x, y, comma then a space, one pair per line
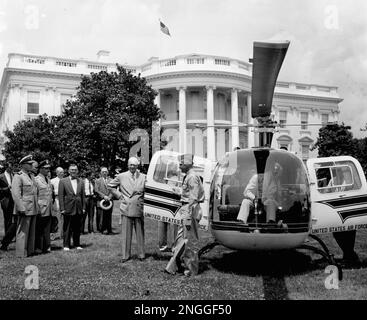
262, 187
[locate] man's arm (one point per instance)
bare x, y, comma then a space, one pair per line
251, 189
83, 195
16, 192
112, 187
61, 196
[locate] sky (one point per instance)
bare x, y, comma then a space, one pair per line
328, 37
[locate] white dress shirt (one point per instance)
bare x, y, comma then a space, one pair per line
8, 177
74, 184
55, 184
87, 184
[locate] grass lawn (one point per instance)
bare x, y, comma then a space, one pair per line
97, 273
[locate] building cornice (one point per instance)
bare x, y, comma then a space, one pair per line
296, 96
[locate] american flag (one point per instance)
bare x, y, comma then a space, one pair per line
164, 28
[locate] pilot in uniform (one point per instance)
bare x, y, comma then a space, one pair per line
24, 192
186, 247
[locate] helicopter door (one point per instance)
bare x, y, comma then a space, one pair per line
338, 194
160, 202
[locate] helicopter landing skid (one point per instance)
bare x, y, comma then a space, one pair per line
324, 252
208, 247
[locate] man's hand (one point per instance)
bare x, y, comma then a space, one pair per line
176, 190
106, 198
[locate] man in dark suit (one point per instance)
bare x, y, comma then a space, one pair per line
104, 217
6, 199
72, 206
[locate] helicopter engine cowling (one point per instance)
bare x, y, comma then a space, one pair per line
260, 200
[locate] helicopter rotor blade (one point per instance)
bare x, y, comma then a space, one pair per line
267, 61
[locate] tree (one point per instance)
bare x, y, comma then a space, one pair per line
335, 140
34, 136
361, 152
94, 128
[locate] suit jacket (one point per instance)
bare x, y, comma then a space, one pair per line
24, 192
44, 195
269, 187
101, 189
70, 202
131, 193
5, 188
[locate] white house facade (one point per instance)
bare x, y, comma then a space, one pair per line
205, 100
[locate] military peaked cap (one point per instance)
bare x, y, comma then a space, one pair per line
44, 164
27, 160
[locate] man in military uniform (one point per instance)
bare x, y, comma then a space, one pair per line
24, 192
186, 247
43, 227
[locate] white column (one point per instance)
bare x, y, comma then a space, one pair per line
235, 130
251, 134
210, 122
156, 127
182, 119
221, 143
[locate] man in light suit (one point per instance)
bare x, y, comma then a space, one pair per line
24, 192
7, 203
72, 206
43, 227
265, 187
131, 184
104, 217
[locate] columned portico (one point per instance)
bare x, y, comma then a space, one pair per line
182, 120
251, 134
235, 129
210, 122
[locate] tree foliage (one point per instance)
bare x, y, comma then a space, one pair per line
34, 136
94, 128
335, 140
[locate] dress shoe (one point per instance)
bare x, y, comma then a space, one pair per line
3, 248
187, 273
125, 260
165, 249
141, 259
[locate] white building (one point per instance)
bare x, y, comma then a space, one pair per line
205, 99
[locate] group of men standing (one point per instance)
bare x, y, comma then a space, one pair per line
32, 200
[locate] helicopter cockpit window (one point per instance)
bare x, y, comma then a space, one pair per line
261, 186
337, 177
167, 171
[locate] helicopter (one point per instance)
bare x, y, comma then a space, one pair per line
324, 195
